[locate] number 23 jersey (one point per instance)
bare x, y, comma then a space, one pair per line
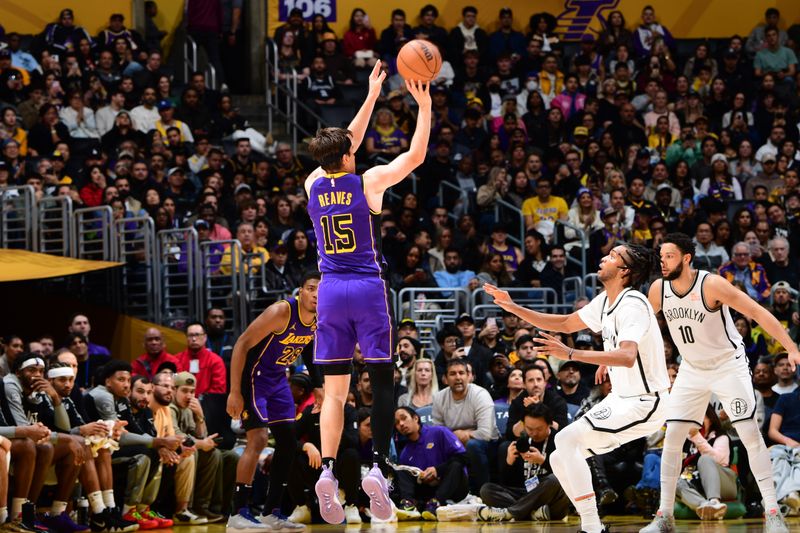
348, 232
704, 337
270, 357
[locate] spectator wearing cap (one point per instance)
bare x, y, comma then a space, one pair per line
478, 354
660, 176
767, 177
720, 185
408, 350
302, 388
63, 36
408, 328
280, 273
570, 387
214, 466
115, 30
468, 36
166, 112
506, 39
338, 65
155, 353
746, 273
206, 366
499, 371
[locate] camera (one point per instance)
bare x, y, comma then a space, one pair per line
523, 443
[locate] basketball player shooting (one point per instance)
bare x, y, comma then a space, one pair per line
633, 359
696, 305
353, 300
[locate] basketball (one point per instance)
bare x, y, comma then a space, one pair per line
419, 60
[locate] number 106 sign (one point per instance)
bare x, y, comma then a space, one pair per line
326, 8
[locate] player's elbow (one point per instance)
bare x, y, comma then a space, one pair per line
629, 358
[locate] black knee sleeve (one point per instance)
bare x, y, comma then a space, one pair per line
381, 376
337, 369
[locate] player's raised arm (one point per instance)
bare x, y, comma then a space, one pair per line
378, 179
562, 323
358, 126
718, 290
273, 319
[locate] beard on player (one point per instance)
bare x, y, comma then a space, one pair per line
674, 274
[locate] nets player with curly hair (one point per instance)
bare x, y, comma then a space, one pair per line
633, 357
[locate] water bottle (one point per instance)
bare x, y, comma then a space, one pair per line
83, 511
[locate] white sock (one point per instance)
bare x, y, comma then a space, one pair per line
96, 502
126, 508
16, 507
108, 499
3, 515
590, 518
57, 508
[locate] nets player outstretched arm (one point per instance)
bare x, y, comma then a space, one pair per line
358, 126
717, 292
562, 323
273, 319
378, 179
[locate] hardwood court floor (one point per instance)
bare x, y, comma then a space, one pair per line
622, 524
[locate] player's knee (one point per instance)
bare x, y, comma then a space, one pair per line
749, 434
257, 440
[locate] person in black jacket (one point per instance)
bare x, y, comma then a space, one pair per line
468, 36
307, 464
536, 392
527, 489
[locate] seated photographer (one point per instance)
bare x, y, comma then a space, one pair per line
212, 463
707, 478
441, 460
527, 489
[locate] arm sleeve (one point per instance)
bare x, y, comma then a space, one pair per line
484, 414
592, 313
62, 418
104, 404
633, 319
9, 432
313, 369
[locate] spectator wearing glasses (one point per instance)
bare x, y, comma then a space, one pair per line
743, 271
206, 366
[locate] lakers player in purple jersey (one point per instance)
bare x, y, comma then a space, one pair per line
353, 295
261, 398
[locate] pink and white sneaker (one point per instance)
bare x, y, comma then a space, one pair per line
327, 489
377, 488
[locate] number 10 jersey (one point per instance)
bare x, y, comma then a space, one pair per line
704, 337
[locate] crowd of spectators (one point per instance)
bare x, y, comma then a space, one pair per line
621, 138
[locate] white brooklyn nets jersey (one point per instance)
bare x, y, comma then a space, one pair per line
704, 337
630, 318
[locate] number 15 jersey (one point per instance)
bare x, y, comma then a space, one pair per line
704, 337
348, 232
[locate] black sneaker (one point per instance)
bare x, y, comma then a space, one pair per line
106, 522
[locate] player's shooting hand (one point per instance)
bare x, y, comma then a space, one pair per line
421, 91
501, 298
600, 374
314, 457
549, 345
235, 405
376, 78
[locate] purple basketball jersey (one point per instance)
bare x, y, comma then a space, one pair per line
348, 232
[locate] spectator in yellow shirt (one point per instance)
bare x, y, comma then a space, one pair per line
543, 206
247, 237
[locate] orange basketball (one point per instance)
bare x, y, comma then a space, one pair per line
419, 60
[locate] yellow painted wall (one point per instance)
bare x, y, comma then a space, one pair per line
684, 18
31, 16
128, 339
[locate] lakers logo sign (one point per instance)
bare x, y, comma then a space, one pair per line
583, 17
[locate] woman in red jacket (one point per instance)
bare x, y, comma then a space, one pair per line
359, 41
92, 192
